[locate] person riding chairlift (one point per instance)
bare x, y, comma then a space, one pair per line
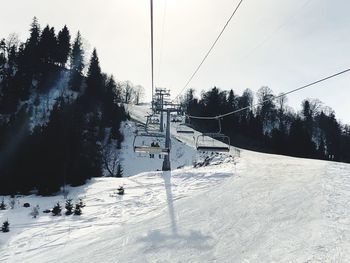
151, 155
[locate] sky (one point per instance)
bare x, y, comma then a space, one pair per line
281, 44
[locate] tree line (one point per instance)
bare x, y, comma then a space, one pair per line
272, 126
85, 118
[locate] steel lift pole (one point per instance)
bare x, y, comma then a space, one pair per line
166, 162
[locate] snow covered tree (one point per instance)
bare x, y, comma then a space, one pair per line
121, 190
56, 211
81, 203
77, 209
5, 226
69, 207
35, 211
12, 202
2, 205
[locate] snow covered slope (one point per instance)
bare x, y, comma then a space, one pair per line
256, 208
134, 163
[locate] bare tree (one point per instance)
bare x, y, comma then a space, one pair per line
119, 91
312, 107
281, 108
128, 91
139, 94
267, 107
110, 159
12, 41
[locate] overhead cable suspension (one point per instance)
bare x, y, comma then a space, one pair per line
273, 98
152, 64
210, 49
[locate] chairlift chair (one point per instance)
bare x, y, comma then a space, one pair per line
152, 123
213, 142
184, 127
140, 146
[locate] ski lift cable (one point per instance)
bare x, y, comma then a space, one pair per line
162, 42
210, 49
270, 99
152, 60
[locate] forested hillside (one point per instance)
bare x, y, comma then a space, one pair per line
57, 115
272, 126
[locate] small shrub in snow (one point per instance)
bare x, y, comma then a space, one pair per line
69, 207
5, 226
26, 205
56, 210
77, 210
12, 202
35, 211
120, 190
2, 205
46, 211
81, 203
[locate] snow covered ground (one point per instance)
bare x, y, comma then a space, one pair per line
134, 163
256, 208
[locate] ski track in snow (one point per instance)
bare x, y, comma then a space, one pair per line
258, 208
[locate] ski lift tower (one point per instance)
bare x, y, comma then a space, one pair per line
166, 163
162, 105
161, 98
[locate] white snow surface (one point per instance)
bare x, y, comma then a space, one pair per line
255, 208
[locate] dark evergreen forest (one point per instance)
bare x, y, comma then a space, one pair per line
272, 126
67, 148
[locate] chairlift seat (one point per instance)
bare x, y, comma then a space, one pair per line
213, 149
184, 128
185, 131
213, 142
151, 149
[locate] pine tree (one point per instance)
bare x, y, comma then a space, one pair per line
81, 203
231, 100
76, 63
69, 207
77, 210
32, 47
121, 190
5, 226
94, 81
34, 38
110, 106
2, 205
48, 46
119, 171
63, 39
56, 211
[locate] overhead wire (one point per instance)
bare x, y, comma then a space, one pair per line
267, 38
270, 99
152, 62
210, 49
162, 42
